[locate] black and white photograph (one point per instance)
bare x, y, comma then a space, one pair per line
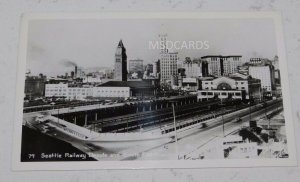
139, 89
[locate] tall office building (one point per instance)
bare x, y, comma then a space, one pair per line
168, 61
265, 73
120, 73
223, 65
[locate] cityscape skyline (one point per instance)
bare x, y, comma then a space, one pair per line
42, 51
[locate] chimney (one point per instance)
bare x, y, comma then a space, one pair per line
75, 72
72, 74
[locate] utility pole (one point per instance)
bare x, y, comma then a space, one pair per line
174, 123
223, 122
250, 107
175, 130
223, 126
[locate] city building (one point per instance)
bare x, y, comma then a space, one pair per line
168, 61
111, 90
244, 69
79, 92
66, 89
35, 86
260, 61
62, 90
156, 69
265, 73
193, 69
189, 84
91, 79
174, 81
149, 68
116, 89
120, 73
145, 88
233, 87
222, 65
135, 66
168, 65
58, 90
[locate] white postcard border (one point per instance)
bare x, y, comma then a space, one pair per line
17, 165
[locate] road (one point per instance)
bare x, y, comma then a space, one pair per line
190, 145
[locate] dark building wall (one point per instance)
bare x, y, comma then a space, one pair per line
143, 92
34, 86
204, 69
222, 66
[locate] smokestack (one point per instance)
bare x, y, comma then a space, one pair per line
72, 74
75, 72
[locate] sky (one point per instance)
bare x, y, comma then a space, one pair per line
93, 42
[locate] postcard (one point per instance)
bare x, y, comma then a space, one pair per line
152, 90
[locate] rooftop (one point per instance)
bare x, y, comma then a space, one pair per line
220, 56
131, 84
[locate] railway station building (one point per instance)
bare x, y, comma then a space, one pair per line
233, 87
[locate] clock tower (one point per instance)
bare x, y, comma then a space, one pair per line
120, 73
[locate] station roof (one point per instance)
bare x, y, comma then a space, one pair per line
131, 84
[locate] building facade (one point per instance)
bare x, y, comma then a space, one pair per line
34, 86
189, 84
110, 89
193, 69
168, 66
222, 65
63, 90
156, 69
119, 92
168, 61
120, 73
145, 88
91, 79
56, 90
265, 73
229, 88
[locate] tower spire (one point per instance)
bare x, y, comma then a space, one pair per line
120, 62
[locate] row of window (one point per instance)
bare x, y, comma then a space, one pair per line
222, 93
113, 91
237, 88
206, 83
